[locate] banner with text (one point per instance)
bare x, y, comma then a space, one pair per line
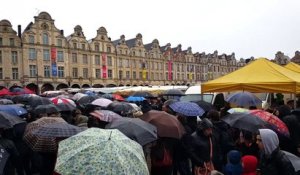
104, 67
53, 62
170, 70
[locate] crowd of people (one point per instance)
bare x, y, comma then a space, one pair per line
208, 146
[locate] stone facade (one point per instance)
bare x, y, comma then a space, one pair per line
41, 56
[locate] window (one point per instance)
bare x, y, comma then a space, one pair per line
46, 71
97, 59
45, 38
133, 64
0, 57
59, 42
32, 71
120, 74
74, 57
120, 62
15, 74
127, 63
97, 48
1, 41
11, 41
108, 50
83, 46
31, 39
61, 73
109, 73
85, 73
75, 45
140, 75
75, 72
1, 73
127, 74
167, 76
32, 54
60, 56
134, 75
84, 59
98, 73
46, 54
14, 57
109, 61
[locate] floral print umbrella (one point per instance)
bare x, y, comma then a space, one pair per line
100, 151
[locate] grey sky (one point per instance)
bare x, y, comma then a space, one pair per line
256, 28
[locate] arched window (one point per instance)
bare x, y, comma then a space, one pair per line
45, 38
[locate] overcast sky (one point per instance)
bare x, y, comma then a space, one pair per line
256, 28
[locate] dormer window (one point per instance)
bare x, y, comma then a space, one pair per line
45, 38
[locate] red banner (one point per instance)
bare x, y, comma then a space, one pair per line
53, 55
103, 58
170, 70
104, 71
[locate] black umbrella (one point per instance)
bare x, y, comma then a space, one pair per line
35, 101
85, 100
204, 105
121, 108
144, 94
173, 92
3, 158
65, 107
46, 109
8, 121
245, 122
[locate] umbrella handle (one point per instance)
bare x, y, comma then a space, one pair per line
110, 135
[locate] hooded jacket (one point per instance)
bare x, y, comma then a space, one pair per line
273, 160
249, 165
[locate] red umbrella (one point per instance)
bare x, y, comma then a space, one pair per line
118, 97
273, 120
4, 91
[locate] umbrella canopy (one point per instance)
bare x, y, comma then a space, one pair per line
8, 121
4, 92
78, 95
276, 124
4, 155
245, 121
204, 105
102, 102
121, 108
144, 94
187, 108
41, 144
19, 90
85, 100
237, 110
46, 109
117, 97
23, 98
13, 110
173, 92
135, 99
65, 107
99, 151
167, 125
295, 160
34, 101
5, 101
105, 115
108, 96
136, 129
243, 99
58, 100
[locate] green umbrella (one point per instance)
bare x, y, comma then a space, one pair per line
100, 151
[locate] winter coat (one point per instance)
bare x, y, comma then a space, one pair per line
249, 165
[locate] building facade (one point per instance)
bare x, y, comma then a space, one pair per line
42, 58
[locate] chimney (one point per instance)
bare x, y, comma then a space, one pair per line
62, 32
19, 31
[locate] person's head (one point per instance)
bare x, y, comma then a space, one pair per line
205, 126
249, 163
214, 115
267, 141
166, 106
282, 110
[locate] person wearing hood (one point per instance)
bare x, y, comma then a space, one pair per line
234, 165
249, 165
272, 161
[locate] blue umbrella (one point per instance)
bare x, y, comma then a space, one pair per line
243, 99
13, 110
187, 108
135, 99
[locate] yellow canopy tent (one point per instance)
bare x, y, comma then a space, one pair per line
293, 66
260, 75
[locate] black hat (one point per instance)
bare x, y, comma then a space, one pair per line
204, 124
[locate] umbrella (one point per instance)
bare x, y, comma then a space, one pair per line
85, 100
99, 151
121, 108
4, 92
167, 125
78, 95
136, 129
34, 101
187, 108
19, 90
8, 121
41, 144
173, 92
117, 97
13, 110
102, 102
57, 130
135, 99
58, 100
105, 115
46, 109
237, 110
4, 155
23, 98
108, 96
204, 105
65, 107
295, 160
144, 94
243, 99
245, 121
275, 123
5, 101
